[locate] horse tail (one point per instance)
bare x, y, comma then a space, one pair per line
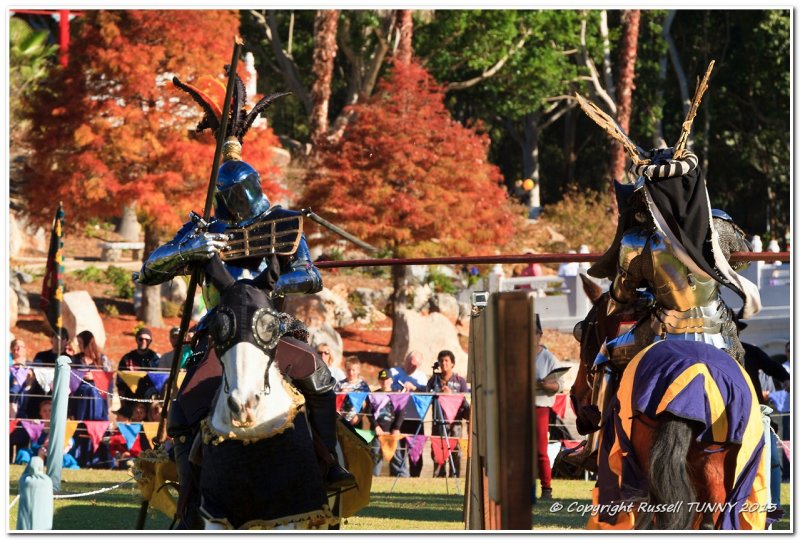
670, 480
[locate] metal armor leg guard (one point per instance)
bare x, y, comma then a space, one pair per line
317, 388
188, 474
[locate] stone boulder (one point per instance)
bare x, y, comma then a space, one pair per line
428, 334
316, 309
422, 297
446, 304
23, 235
368, 304
79, 313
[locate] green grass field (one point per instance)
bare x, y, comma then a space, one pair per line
414, 504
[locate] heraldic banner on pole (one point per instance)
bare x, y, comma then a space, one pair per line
53, 285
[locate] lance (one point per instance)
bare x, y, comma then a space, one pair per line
198, 271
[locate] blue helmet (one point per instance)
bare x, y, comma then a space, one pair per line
239, 198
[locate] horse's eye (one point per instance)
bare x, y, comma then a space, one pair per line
266, 327
577, 332
222, 326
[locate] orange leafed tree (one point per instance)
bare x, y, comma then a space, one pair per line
409, 179
111, 130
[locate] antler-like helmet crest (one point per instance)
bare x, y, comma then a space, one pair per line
240, 120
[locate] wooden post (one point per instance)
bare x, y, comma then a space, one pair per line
502, 467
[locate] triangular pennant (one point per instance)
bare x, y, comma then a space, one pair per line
378, 402
181, 376
560, 405
158, 380
388, 443
12, 424
33, 428
442, 448
399, 401
366, 434
421, 403
75, 379
339, 401
96, 429
450, 405
415, 445
69, 429
130, 432
20, 374
102, 379
132, 378
150, 431
44, 376
357, 400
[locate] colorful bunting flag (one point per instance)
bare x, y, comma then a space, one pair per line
69, 429
158, 380
560, 405
130, 432
12, 424
415, 445
102, 379
366, 434
150, 431
20, 374
96, 429
399, 401
132, 378
388, 442
44, 376
378, 401
339, 401
34, 428
442, 448
357, 400
181, 376
421, 404
52, 284
450, 404
787, 449
75, 379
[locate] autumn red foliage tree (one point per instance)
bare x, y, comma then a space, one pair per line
111, 130
408, 178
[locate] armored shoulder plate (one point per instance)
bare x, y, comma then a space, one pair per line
631, 245
277, 232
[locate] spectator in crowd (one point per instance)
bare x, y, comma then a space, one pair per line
39, 447
447, 381
386, 421
154, 411
546, 389
764, 372
87, 402
50, 355
90, 354
352, 383
142, 356
324, 352
165, 362
570, 268
410, 377
532, 269
19, 353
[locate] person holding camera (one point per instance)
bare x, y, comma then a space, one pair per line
446, 381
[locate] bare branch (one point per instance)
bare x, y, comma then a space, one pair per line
607, 77
492, 70
596, 88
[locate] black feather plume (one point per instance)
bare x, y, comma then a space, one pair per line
210, 119
258, 109
237, 108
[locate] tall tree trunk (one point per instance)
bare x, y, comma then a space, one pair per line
325, 26
570, 153
151, 296
129, 227
399, 298
625, 85
530, 160
405, 25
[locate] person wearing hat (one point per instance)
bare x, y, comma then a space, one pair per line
165, 362
386, 421
142, 356
546, 389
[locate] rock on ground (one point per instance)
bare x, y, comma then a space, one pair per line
428, 334
79, 313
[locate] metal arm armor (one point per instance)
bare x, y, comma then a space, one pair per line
301, 275
623, 288
190, 244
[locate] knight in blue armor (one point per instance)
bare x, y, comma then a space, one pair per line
251, 236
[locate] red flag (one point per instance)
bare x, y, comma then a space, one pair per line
339, 401
52, 284
102, 379
96, 429
441, 448
12, 425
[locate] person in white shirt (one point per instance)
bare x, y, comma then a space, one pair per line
545, 398
410, 377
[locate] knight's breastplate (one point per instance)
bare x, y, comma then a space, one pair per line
687, 303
